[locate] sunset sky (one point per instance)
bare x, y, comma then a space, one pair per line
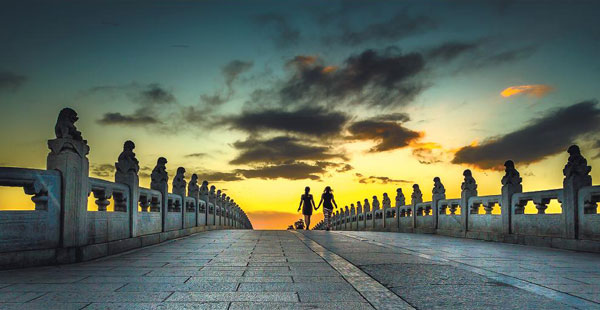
263, 98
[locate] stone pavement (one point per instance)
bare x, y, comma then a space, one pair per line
314, 270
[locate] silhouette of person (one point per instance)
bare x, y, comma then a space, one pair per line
328, 202
307, 203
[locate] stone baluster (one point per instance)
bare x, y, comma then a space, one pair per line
102, 198
68, 154
474, 209
488, 207
144, 203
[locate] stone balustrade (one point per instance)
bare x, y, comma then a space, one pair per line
500, 217
78, 218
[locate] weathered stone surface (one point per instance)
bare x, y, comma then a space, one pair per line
314, 270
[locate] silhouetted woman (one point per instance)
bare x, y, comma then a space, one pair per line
328, 202
307, 203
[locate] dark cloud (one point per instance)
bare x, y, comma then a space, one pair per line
344, 168
450, 50
278, 150
215, 176
233, 69
213, 100
427, 156
102, 170
399, 26
282, 32
290, 171
476, 54
150, 99
196, 155
597, 148
389, 135
128, 120
11, 81
545, 136
379, 180
372, 78
307, 120
154, 94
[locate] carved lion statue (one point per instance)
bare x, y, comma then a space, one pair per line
65, 125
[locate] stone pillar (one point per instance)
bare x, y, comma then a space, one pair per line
511, 184
68, 154
160, 182
127, 168
576, 174
416, 197
438, 193
468, 190
179, 186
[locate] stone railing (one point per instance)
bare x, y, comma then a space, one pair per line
500, 217
77, 217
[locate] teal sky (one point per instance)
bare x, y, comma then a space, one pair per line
153, 62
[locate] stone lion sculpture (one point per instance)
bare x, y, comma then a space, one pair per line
511, 175
159, 175
65, 125
386, 202
417, 196
127, 161
576, 164
179, 183
375, 203
439, 191
193, 188
469, 183
400, 200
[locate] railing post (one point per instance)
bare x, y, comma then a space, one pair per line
160, 182
468, 190
127, 173
194, 192
68, 154
576, 174
179, 185
438, 193
415, 198
511, 184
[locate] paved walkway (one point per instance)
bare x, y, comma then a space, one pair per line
314, 270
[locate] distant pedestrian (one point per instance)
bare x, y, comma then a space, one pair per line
307, 203
328, 202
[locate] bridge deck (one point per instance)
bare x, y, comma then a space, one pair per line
314, 270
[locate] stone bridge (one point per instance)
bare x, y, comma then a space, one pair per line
192, 247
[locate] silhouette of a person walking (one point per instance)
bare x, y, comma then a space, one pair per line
307, 203
328, 202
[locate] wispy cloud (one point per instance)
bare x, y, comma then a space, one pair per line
537, 90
